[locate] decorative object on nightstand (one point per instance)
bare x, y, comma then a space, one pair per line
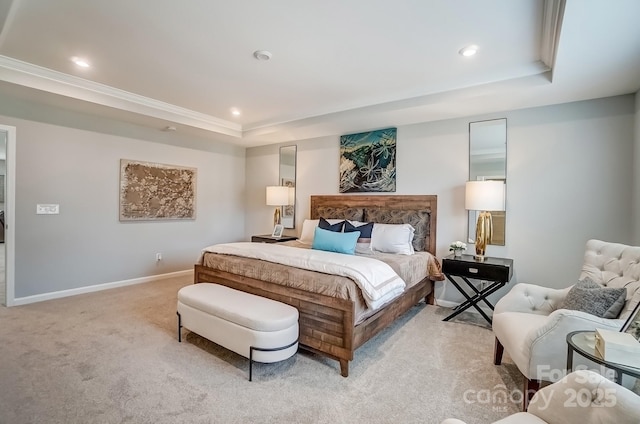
484, 196
457, 247
277, 231
497, 271
277, 196
268, 238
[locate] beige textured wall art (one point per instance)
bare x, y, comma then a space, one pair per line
154, 191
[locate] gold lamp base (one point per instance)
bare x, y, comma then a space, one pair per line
484, 234
276, 217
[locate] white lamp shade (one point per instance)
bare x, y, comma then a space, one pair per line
277, 195
292, 196
484, 196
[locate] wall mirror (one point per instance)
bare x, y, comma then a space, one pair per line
288, 179
488, 161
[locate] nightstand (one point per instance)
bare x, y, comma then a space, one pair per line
268, 238
497, 271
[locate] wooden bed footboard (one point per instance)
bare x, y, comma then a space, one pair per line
326, 323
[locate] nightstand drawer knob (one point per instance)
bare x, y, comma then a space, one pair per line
473, 270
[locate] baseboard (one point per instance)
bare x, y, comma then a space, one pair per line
98, 287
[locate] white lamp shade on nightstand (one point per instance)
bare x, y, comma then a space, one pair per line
278, 196
292, 196
484, 196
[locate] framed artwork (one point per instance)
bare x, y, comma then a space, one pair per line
154, 191
368, 161
277, 230
632, 324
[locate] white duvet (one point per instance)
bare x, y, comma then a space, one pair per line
377, 280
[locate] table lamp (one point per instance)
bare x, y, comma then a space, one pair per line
484, 196
277, 196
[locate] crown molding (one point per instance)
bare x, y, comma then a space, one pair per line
44, 79
553, 15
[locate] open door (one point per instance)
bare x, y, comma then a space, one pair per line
7, 219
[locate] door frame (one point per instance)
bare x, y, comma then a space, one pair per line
9, 215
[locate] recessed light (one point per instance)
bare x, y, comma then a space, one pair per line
235, 111
262, 54
469, 50
83, 63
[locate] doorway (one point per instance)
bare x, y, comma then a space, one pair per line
7, 207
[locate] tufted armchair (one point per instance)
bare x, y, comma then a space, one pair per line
579, 398
529, 324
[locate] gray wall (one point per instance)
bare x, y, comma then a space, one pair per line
636, 169
86, 244
569, 173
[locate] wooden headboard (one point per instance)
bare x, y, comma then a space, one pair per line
395, 202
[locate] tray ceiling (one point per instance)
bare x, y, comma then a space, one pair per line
336, 66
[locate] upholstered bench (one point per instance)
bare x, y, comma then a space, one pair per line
255, 327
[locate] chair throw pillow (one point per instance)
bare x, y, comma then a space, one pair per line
592, 298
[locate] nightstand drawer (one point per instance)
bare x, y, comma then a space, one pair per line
479, 270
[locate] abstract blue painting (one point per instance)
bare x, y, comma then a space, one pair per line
368, 161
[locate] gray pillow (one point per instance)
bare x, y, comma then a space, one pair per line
590, 297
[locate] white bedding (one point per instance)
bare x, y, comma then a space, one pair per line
377, 280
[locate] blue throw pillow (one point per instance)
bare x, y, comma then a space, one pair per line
324, 224
335, 242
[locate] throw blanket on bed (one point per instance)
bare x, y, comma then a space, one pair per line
377, 280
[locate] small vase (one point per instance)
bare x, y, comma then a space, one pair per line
457, 253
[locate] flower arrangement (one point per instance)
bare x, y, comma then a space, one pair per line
457, 247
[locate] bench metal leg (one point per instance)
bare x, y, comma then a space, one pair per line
273, 349
179, 327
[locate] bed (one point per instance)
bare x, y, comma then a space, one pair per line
332, 326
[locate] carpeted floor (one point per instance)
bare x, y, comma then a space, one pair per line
113, 357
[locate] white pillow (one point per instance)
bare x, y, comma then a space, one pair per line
392, 238
309, 229
356, 223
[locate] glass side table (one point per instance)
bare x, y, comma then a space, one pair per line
584, 344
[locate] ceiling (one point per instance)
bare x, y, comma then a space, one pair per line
336, 66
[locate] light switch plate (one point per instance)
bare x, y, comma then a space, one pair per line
47, 209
